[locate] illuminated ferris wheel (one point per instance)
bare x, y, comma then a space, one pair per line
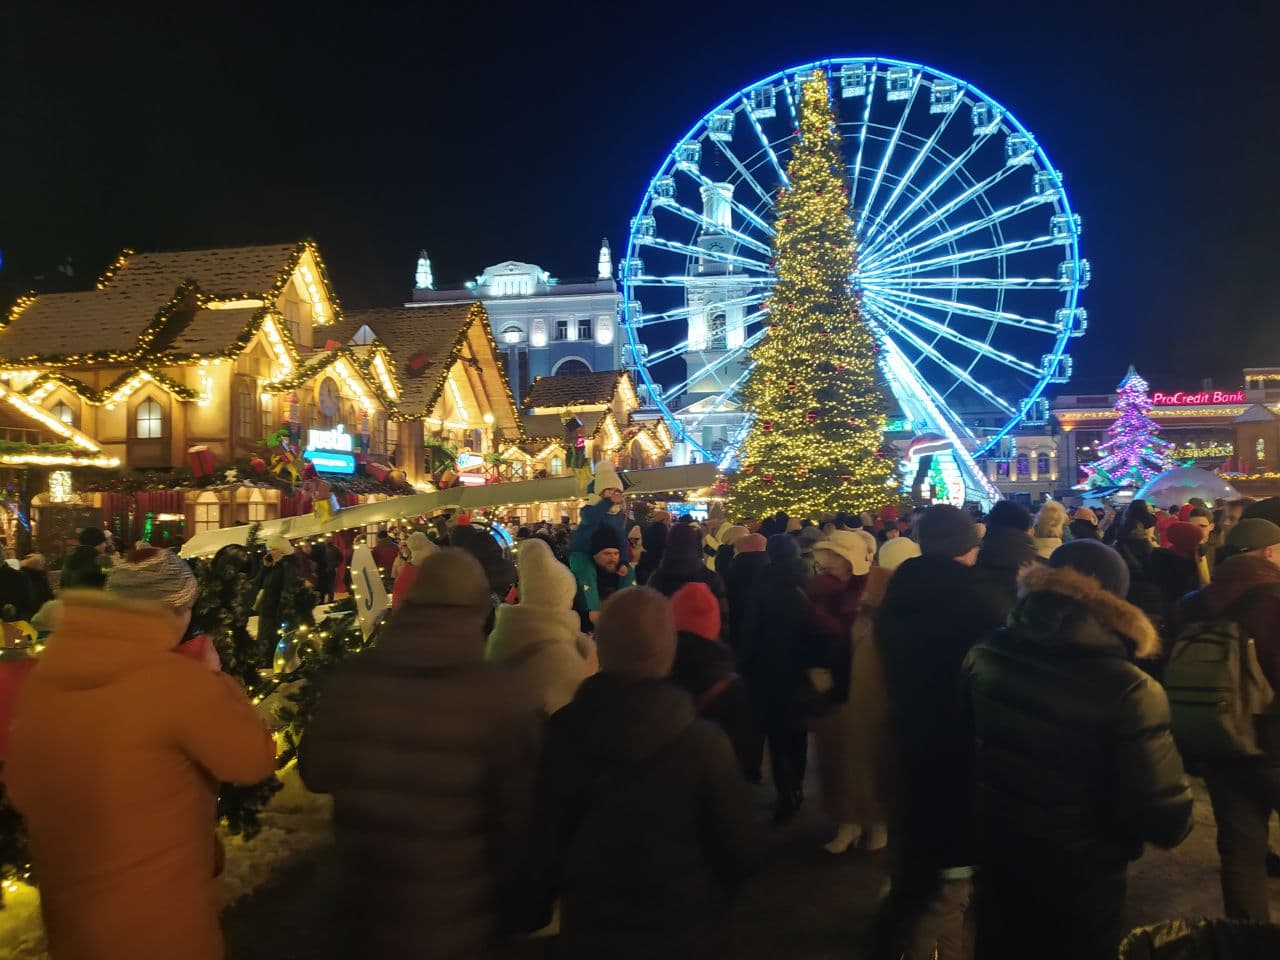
969, 257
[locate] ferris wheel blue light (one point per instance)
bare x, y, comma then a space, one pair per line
969, 252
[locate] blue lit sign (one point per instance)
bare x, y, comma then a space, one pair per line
329, 451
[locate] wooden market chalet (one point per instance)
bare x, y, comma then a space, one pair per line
186, 392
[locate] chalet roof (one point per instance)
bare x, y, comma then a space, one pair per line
211, 330
573, 389
550, 426
135, 290
432, 333
1257, 413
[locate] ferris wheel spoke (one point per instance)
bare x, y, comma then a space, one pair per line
764, 142
682, 347
890, 323
907, 315
745, 213
883, 258
723, 399
713, 366
743, 172
955, 203
916, 161
791, 101
694, 217
662, 243
971, 283
683, 313
963, 257
926, 194
862, 139
888, 154
681, 280
1003, 317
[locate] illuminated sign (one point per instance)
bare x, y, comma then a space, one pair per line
1181, 399
467, 460
330, 451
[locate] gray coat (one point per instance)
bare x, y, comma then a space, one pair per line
429, 753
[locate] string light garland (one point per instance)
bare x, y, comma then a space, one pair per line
816, 392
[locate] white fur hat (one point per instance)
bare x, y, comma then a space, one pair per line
852, 545
544, 580
420, 547
279, 544
606, 478
898, 551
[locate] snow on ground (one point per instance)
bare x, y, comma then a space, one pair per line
293, 825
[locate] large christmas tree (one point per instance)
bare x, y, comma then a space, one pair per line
815, 392
1134, 453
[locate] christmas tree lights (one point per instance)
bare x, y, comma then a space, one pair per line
815, 391
1134, 453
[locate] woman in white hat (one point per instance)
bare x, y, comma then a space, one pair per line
843, 562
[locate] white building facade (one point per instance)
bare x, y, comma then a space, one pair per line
542, 326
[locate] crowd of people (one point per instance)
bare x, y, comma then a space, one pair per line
567, 746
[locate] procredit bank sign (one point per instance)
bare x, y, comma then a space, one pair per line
1181, 399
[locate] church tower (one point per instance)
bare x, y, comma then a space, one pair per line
716, 314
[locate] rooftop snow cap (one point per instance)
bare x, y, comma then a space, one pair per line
1095, 559
635, 636
946, 531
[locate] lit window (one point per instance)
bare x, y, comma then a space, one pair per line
538, 334
584, 328
150, 420
1024, 465
268, 413
512, 334
562, 329
1260, 451
208, 509
257, 507
1042, 465
716, 332
557, 466
244, 407
64, 413
604, 332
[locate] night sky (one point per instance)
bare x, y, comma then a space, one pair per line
490, 132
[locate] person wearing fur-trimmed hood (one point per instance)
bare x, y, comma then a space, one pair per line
1076, 767
539, 637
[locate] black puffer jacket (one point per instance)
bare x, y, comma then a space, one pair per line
704, 668
934, 611
1075, 760
739, 582
1004, 552
778, 627
642, 826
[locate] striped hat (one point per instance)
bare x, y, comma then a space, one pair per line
157, 576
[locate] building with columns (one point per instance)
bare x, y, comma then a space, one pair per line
542, 326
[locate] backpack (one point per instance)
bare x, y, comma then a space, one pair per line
1216, 690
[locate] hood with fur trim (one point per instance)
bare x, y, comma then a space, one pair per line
1064, 606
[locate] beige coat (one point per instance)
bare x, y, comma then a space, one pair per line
866, 715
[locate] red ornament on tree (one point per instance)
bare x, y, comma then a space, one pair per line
767, 426
812, 416
767, 478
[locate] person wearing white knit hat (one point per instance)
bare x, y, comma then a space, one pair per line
539, 637
420, 547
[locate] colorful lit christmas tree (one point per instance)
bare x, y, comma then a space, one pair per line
1134, 453
816, 395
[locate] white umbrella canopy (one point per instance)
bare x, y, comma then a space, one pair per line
1180, 484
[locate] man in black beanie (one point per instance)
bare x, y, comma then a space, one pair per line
611, 574
1076, 767
933, 613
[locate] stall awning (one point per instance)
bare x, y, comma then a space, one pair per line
489, 496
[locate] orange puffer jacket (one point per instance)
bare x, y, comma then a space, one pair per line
117, 749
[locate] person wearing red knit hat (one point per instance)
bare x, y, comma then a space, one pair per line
704, 667
1175, 569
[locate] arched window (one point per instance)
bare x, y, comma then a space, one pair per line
716, 332
572, 365
1024, 465
1260, 451
1042, 465
64, 413
150, 420
557, 466
257, 507
208, 509
512, 334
